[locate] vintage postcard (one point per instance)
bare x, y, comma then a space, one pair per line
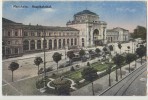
74, 48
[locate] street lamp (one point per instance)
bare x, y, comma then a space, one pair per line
65, 52
134, 47
104, 35
43, 38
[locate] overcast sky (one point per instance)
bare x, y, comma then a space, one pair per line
117, 14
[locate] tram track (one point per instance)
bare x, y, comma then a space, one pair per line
129, 82
122, 86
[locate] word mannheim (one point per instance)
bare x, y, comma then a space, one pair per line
84, 31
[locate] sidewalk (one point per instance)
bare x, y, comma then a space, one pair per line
101, 84
32, 55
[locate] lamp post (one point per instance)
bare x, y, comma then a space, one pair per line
103, 35
43, 38
65, 52
134, 47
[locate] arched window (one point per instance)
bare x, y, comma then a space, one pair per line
38, 44
32, 44
82, 42
50, 44
75, 41
63, 42
26, 45
45, 43
59, 43
71, 42
55, 44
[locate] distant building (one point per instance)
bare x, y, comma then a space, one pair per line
19, 39
92, 31
112, 36
117, 35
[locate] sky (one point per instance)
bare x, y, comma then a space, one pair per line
125, 14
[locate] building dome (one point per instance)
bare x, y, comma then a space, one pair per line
85, 12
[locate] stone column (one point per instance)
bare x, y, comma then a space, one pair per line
69, 42
52, 44
18, 50
66, 42
57, 43
35, 44
42, 43
29, 45
47, 44
62, 43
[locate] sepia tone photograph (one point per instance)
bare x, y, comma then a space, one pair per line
74, 48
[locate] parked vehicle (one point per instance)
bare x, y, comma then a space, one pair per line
47, 70
76, 59
66, 64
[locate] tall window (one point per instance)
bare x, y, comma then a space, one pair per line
75, 41
59, 43
38, 44
8, 51
55, 44
38, 34
16, 50
16, 33
59, 34
67, 34
71, 42
32, 44
63, 42
45, 43
8, 33
26, 45
50, 44
49, 34
16, 42
32, 34
68, 42
82, 42
25, 34
8, 42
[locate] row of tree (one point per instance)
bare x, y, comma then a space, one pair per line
139, 32
90, 74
